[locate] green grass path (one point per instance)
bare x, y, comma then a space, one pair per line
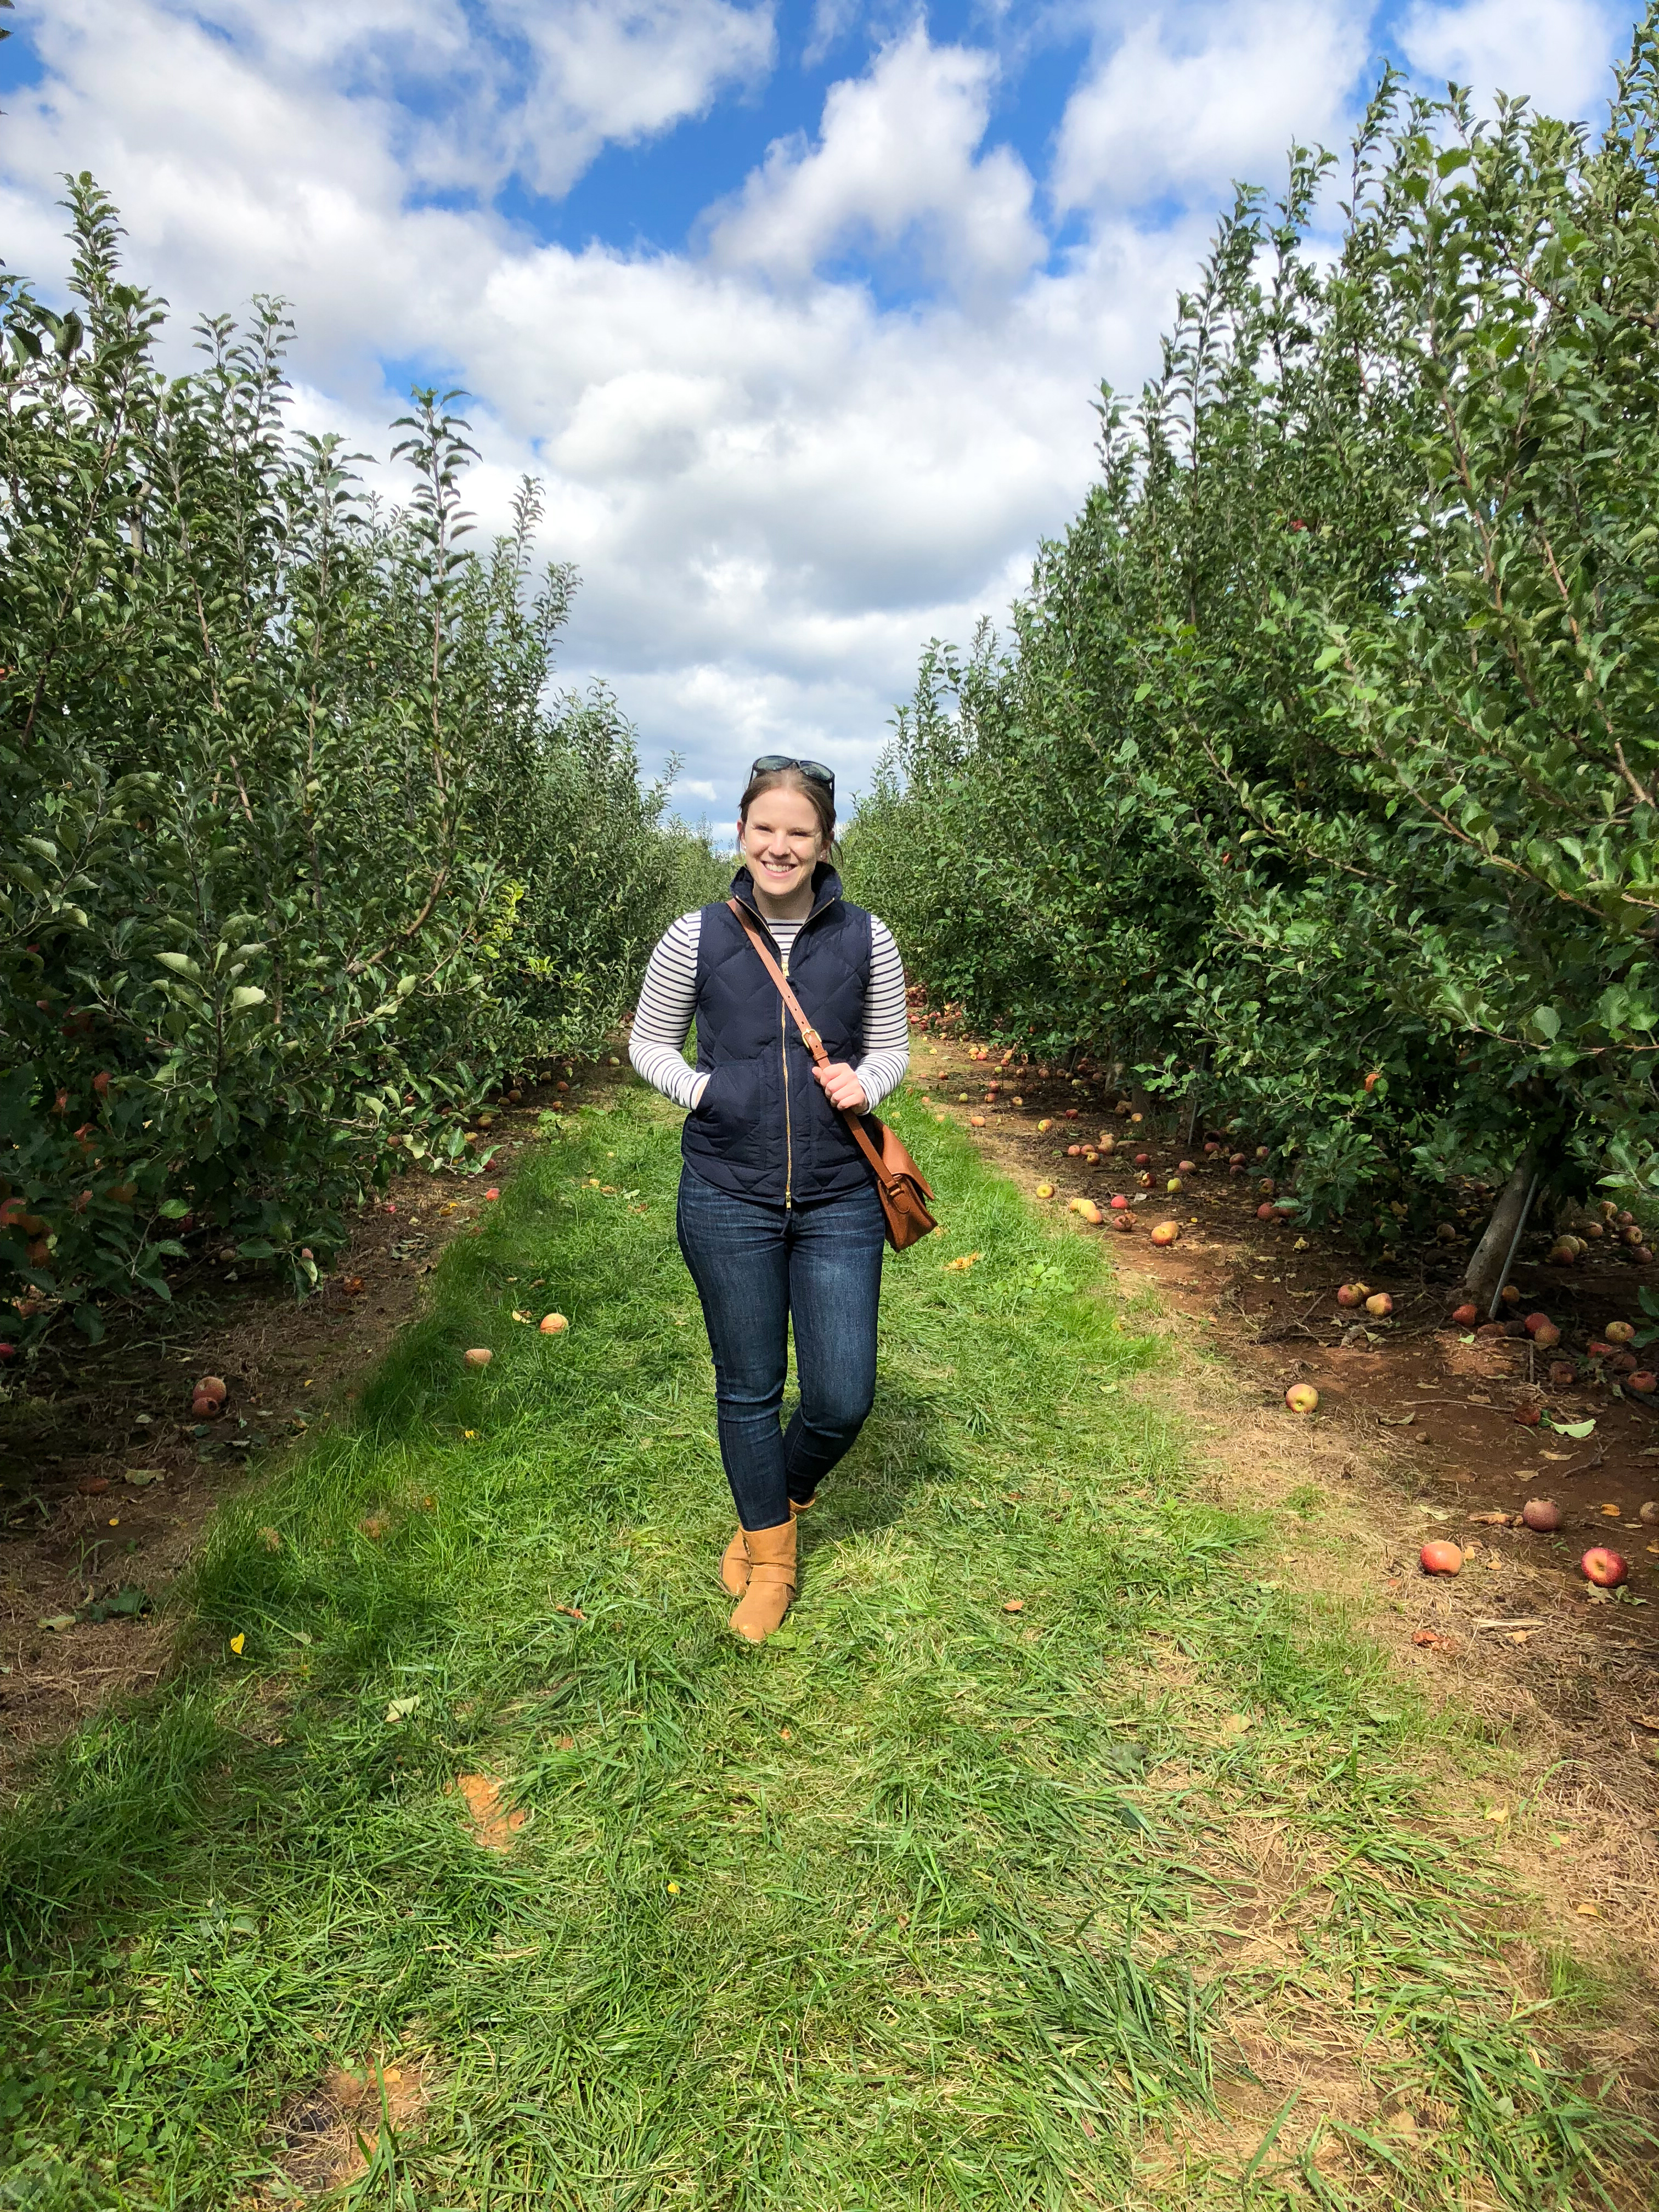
927, 1902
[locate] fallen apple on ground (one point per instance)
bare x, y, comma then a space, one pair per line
1088, 1210
553, 1324
1379, 1305
1643, 1383
1465, 1316
1165, 1232
1349, 1294
479, 1356
1546, 1336
1302, 1397
1605, 1568
1266, 1213
1045, 1190
1542, 1513
1440, 1557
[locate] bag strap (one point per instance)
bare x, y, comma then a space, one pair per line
810, 1036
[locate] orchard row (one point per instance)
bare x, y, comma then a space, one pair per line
301, 856
1314, 787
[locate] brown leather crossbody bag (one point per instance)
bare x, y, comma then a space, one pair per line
899, 1183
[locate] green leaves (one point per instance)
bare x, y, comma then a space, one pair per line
1328, 736
292, 804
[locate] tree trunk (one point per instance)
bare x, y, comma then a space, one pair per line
1489, 1264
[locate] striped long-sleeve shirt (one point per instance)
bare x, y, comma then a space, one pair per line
662, 1021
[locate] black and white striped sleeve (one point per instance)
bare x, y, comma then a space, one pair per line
886, 1018
662, 1020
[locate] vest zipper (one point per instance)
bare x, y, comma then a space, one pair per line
788, 1131
783, 1052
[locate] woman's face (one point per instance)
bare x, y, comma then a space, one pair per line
780, 840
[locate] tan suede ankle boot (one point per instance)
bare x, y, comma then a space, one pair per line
735, 1565
735, 1559
771, 1581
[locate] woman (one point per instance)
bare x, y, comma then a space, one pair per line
778, 1211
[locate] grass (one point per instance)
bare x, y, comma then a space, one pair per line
929, 1903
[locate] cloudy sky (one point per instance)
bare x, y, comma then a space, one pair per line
797, 306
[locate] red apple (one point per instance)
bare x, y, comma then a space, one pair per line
1605, 1569
1536, 1322
553, 1324
1185, 1167
1143, 1160
1166, 1232
1119, 1202
1466, 1315
1547, 1336
1266, 1213
214, 1387
1509, 1295
1633, 1234
1348, 1294
1302, 1397
1440, 1557
7, 1352
1644, 1382
1542, 1513
1528, 1416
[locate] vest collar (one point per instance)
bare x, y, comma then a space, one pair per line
826, 890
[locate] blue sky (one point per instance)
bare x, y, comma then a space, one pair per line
797, 308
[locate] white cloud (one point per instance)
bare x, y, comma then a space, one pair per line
1555, 51
895, 165
1191, 98
776, 488
622, 70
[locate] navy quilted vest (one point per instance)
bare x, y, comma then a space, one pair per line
764, 1129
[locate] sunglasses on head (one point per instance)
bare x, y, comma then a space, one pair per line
815, 771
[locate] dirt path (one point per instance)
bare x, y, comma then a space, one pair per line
107, 1481
1420, 1432
1066, 1845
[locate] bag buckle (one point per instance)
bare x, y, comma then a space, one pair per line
812, 1040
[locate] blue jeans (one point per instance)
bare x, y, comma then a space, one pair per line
755, 1267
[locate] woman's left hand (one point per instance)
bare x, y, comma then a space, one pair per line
843, 1087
